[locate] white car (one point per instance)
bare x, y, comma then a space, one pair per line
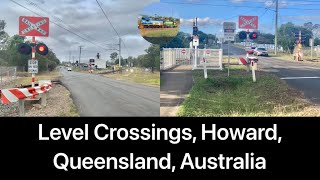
261, 52
69, 69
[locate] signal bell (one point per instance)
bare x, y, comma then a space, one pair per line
42, 49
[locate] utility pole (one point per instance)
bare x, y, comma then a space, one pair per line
276, 29
119, 52
80, 56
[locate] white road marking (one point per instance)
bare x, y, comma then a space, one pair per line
287, 78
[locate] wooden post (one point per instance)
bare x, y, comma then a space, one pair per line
21, 108
44, 99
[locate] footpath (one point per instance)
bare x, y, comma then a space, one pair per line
175, 86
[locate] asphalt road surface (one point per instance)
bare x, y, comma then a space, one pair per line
95, 95
301, 76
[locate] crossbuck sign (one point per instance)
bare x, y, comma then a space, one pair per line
248, 22
33, 26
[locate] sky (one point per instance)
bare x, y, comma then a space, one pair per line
212, 13
86, 19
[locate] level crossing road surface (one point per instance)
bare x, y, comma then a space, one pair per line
301, 76
95, 95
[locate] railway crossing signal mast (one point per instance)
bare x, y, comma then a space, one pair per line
195, 42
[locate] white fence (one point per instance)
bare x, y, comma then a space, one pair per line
171, 57
7, 75
212, 57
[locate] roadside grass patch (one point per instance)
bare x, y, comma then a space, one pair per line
138, 76
238, 95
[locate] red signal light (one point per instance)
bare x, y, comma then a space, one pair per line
42, 49
253, 35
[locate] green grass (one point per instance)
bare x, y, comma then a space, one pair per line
25, 78
138, 76
238, 95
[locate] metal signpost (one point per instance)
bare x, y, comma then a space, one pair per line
249, 22
229, 34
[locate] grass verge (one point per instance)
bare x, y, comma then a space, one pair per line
137, 76
26, 80
239, 96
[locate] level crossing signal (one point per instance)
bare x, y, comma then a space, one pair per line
243, 35
26, 49
253, 35
42, 49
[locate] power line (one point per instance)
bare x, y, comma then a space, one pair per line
120, 40
58, 25
108, 18
70, 27
240, 6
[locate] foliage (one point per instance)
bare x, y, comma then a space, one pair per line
182, 40
287, 38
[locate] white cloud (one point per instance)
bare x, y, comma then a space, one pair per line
86, 19
206, 21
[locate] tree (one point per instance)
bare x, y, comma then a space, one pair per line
152, 58
287, 35
114, 56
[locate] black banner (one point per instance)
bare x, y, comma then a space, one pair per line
91, 147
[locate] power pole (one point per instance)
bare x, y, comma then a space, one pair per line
276, 29
119, 52
80, 56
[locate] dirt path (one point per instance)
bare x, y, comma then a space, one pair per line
175, 86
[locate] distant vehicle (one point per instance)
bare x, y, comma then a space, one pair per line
250, 50
69, 69
261, 52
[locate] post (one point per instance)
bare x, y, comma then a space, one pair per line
205, 68
228, 58
253, 71
195, 56
312, 48
34, 59
44, 99
248, 62
276, 29
119, 52
21, 108
80, 57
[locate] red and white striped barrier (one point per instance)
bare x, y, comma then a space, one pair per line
15, 94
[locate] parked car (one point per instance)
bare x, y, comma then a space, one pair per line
261, 52
250, 50
69, 69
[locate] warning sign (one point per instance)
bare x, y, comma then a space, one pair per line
33, 66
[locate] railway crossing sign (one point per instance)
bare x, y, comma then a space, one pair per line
33, 26
229, 30
33, 66
248, 22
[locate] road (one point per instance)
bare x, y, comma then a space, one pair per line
304, 77
95, 95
